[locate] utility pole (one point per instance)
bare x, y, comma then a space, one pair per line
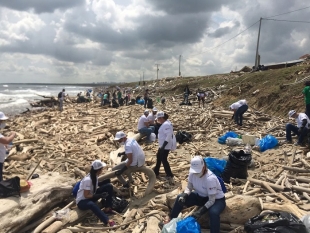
180, 65
157, 70
256, 56
143, 78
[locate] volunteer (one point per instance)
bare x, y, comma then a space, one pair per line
135, 158
153, 120
4, 142
61, 97
239, 108
306, 96
201, 98
186, 94
166, 142
301, 129
146, 97
208, 194
90, 192
144, 126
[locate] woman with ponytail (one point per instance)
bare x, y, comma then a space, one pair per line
90, 192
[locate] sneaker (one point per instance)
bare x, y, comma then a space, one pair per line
297, 144
288, 142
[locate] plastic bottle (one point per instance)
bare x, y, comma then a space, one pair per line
234, 141
248, 149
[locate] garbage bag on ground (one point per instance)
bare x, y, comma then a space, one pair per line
282, 222
237, 165
267, 143
215, 165
230, 134
306, 221
188, 225
171, 227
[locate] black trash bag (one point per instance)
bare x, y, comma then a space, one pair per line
276, 222
119, 204
132, 102
236, 166
10, 187
114, 104
183, 136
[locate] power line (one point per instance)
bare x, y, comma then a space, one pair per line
291, 21
288, 12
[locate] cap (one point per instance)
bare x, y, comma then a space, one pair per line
119, 135
97, 164
196, 164
154, 109
3, 117
160, 114
291, 113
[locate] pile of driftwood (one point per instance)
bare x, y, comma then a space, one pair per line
67, 142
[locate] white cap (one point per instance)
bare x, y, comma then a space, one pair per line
3, 117
291, 113
196, 165
119, 135
154, 109
160, 114
146, 111
97, 164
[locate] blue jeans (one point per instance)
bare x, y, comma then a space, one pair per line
1, 170
214, 211
239, 114
147, 131
90, 204
308, 110
292, 128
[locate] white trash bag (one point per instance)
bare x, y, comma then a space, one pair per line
153, 137
171, 227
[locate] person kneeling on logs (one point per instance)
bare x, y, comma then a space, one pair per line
135, 158
301, 129
208, 194
90, 192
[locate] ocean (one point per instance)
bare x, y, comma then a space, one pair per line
15, 98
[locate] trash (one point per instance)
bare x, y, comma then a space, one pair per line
275, 222
230, 134
267, 143
234, 141
62, 214
171, 227
215, 165
237, 165
153, 137
119, 204
249, 139
306, 221
188, 225
183, 136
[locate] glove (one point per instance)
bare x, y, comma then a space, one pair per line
300, 130
182, 198
100, 195
120, 154
197, 214
162, 148
119, 172
233, 116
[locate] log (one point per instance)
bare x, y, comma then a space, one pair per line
25, 141
291, 208
274, 186
295, 169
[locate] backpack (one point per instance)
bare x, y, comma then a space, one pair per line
10, 187
59, 95
118, 204
183, 136
76, 189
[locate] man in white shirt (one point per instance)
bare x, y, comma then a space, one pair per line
61, 97
301, 129
135, 158
144, 126
239, 108
208, 194
153, 120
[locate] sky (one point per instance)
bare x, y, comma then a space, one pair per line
83, 41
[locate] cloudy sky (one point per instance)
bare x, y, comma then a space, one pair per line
116, 40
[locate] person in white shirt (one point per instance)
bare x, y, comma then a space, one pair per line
90, 192
201, 98
144, 126
239, 108
208, 194
61, 97
4, 141
135, 158
166, 141
152, 118
301, 129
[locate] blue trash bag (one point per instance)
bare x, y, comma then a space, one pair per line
230, 134
215, 165
267, 143
140, 101
188, 225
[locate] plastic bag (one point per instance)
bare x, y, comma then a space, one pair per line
267, 143
171, 227
215, 165
230, 134
188, 225
234, 141
62, 214
306, 221
153, 137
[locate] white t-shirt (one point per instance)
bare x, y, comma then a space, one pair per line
62, 96
165, 133
2, 151
86, 184
235, 106
132, 147
151, 118
206, 185
300, 118
141, 122
201, 94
